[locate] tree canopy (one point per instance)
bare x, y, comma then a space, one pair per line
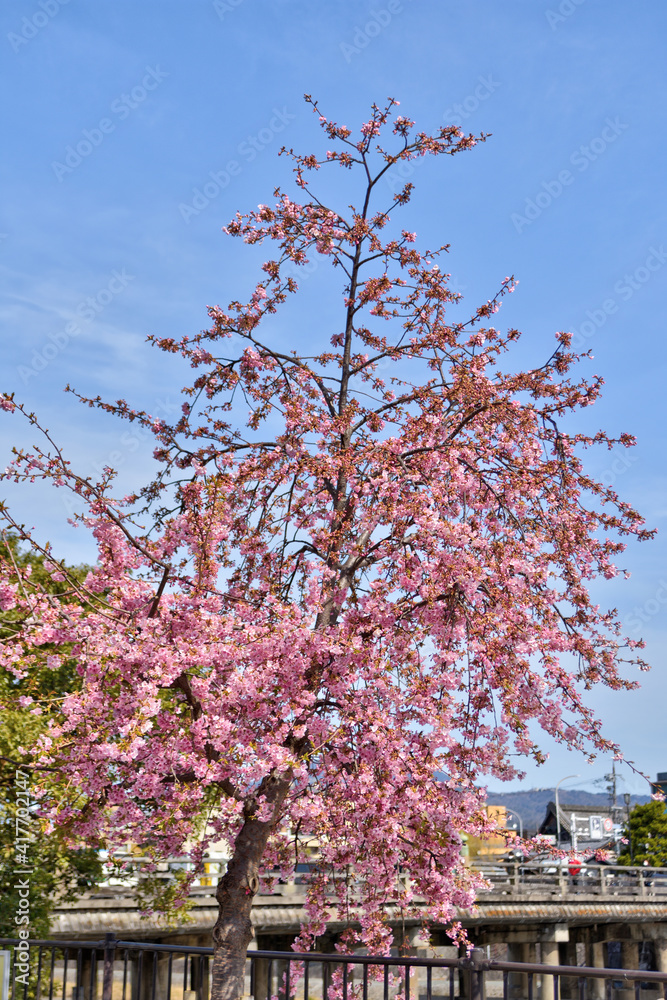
645, 834
361, 566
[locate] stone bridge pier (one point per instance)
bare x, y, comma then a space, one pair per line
621, 944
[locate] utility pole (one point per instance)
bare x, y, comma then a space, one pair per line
611, 791
626, 799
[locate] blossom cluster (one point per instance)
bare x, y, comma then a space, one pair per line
352, 604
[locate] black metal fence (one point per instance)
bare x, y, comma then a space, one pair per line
130, 970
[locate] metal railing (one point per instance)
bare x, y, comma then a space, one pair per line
127, 869
522, 878
130, 970
553, 878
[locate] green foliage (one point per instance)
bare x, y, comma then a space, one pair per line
168, 897
54, 869
646, 833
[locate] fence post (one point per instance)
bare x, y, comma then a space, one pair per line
477, 961
416, 943
107, 974
259, 974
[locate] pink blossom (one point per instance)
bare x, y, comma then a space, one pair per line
359, 583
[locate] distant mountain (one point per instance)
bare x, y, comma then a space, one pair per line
532, 805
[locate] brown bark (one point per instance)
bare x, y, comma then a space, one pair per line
233, 929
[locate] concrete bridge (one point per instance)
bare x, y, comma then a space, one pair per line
602, 916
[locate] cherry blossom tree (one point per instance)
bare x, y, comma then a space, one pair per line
357, 579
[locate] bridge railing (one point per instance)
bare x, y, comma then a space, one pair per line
127, 869
545, 878
130, 970
555, 878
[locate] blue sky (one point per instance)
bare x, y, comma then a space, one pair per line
137, 128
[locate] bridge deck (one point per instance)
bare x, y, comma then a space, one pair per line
516, 895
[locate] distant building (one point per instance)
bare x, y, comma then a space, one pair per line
493, 846
660, 784
583, 828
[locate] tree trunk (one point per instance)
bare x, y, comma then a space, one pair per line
233, 929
